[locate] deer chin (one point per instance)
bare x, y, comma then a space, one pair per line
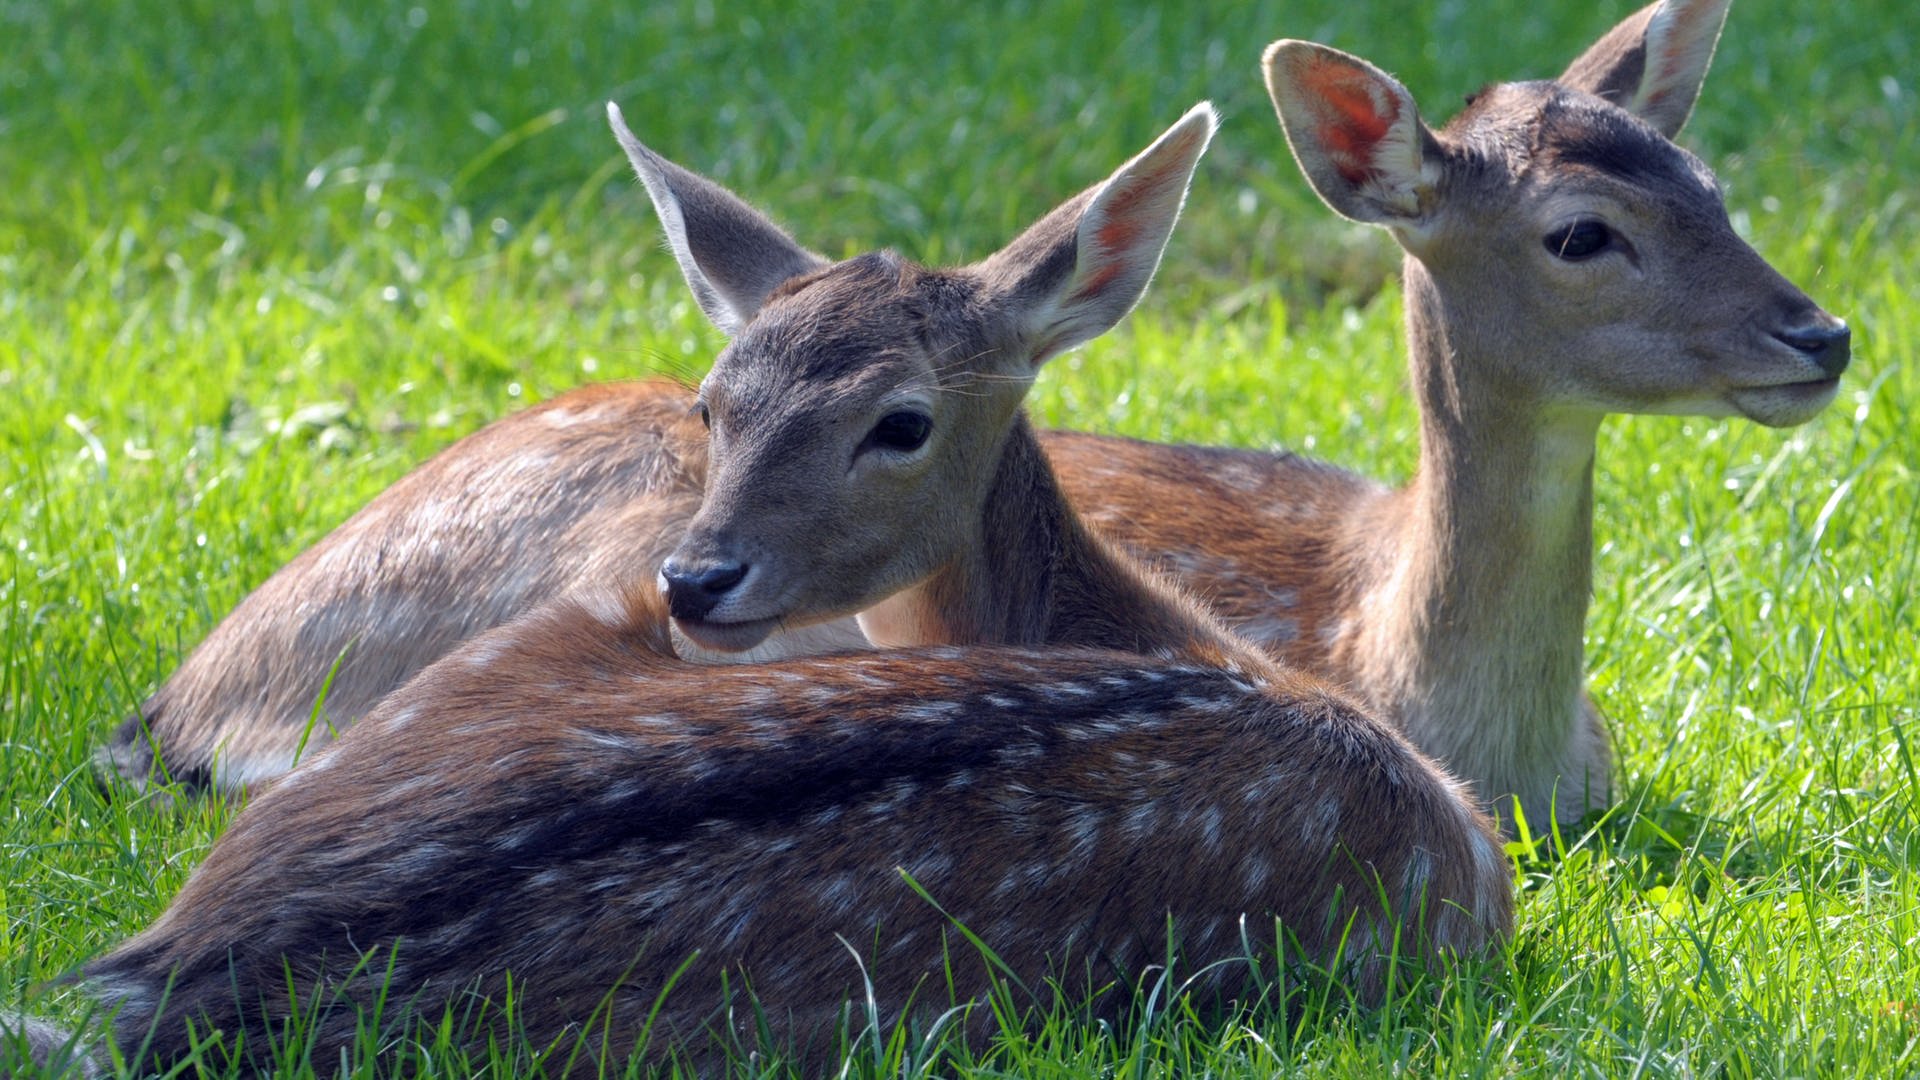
1784, 404
729, 637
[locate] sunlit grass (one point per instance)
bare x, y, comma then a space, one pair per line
256, 261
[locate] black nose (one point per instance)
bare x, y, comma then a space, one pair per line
693, 591
1826, 344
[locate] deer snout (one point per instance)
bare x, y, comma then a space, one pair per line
1827, 341
694, 588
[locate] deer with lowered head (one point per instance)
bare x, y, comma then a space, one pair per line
565, 802
1565, 260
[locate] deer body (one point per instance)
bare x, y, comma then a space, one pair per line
1462, 628
563, 802
562, 799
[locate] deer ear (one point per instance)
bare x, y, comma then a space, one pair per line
1355, 131
1078, 271
731, 254
1653, 63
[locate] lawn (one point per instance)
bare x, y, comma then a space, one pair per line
258, 260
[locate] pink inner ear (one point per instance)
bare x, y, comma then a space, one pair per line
1115, 235
1351, 122
1097, 282
1123, 206
1122, 224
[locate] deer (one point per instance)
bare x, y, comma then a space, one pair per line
1564, 260
1058, 752
1453, 605
565, 806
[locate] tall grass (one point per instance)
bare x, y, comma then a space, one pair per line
257, 260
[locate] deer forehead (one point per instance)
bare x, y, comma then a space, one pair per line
846, 339
1547, 137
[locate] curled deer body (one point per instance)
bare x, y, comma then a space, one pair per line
565, 806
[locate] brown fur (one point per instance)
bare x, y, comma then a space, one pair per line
526, 507
1456, 605
564, 800
1490, 546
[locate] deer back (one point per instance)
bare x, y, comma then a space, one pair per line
563, 800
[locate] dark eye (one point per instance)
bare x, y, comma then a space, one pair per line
902, 431
706, 417
1581, 240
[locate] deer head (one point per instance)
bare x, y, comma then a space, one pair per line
1560, 239
857, 415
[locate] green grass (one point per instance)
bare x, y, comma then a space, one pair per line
257, 260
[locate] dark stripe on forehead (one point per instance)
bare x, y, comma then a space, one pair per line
1579, 130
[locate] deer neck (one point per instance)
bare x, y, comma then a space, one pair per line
1474, 624
1031, 572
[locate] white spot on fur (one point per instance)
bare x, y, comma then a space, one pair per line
931, 865
903, 942
1086, 833
1415, 876
737, 931
1020, 754
1142, 818
1318, 825
1270, 630
933, 712
1211, 706
896, 797
1263, 789
1210, 823
1007, 884
235, 771
1257, 870
839, 894
1240, 476
484, 653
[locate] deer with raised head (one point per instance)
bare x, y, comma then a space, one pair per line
566, 802
1564, 260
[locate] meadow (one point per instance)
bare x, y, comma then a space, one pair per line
257, 260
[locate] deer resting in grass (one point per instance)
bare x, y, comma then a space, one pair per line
565, 801
1564, 260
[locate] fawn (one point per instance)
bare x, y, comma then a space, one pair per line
1564, 260
564, 800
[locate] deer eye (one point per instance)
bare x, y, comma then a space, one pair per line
1581, 240
902, 432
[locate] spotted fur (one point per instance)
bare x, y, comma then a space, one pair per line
587, 813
